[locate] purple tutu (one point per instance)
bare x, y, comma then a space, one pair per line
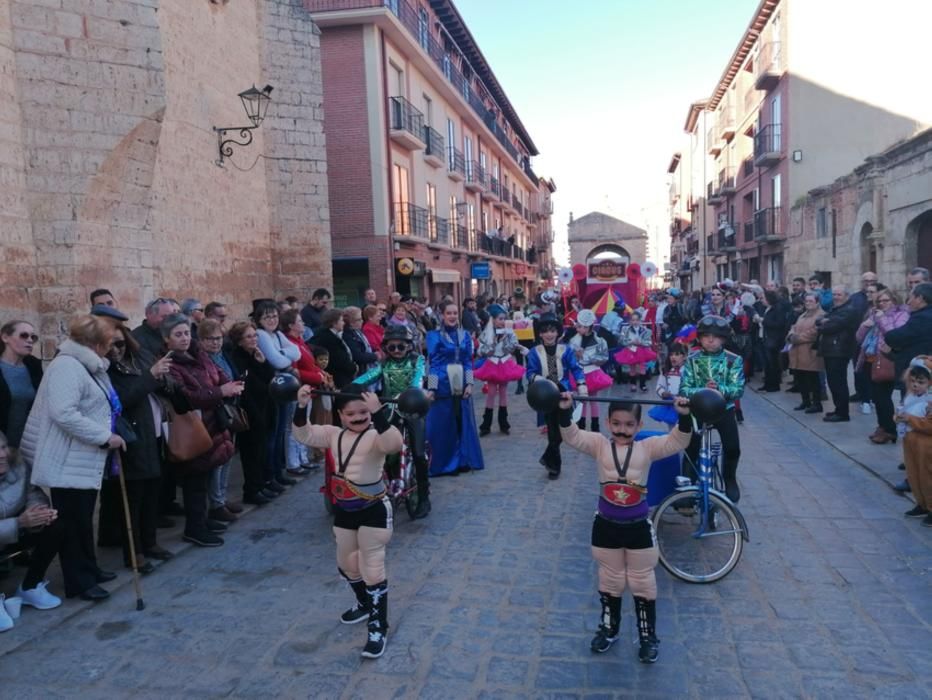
638, 355
596, 380
499, 372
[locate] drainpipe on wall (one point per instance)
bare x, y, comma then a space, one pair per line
388, 152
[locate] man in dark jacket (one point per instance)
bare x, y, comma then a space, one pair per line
313, 310
470, 317
836, 344
148, 335
915, 336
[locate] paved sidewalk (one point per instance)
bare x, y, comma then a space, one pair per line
494, 596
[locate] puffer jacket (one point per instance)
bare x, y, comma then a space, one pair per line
69, 421
199, 380
16, 495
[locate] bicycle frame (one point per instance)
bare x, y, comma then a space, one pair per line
709, 454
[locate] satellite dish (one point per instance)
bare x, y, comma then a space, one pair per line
648, 269
565, 275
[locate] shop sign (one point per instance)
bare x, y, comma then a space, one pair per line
405, 267
480, 271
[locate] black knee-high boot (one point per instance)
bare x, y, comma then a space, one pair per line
423, 489
609, 622
360, 610
378, 620
503, 425
647, 619
486, 426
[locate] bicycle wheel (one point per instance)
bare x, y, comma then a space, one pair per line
690, 551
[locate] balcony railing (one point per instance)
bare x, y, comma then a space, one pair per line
407, 123
439, 229
475, 176
456, 164
768, 223
726, 180
712, 193
434, 151
726, 120
411, 220
769, 67
727, 239
747, 166
768, 144
749, 231
495, 188
713, 142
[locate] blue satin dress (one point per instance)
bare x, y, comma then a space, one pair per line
451, 423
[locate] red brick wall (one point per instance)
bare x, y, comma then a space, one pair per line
346, 122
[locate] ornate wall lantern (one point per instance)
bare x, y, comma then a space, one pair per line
256, 104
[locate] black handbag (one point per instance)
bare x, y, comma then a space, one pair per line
233, 417
125, 430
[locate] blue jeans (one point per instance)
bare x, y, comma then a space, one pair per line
217, 487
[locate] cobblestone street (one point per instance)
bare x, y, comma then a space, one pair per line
494, 595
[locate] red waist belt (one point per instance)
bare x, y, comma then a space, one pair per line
623, 494
345, 490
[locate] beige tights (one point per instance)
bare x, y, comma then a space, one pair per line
634, 567
361, 553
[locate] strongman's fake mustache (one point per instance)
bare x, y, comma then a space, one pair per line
623, 436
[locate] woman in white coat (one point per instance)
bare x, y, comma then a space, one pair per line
68, 439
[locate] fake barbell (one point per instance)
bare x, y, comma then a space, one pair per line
708, 405
284, 388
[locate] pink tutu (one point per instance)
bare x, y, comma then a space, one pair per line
499, 372
596, 380
638, 355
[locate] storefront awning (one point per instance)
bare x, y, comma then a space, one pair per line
445, 276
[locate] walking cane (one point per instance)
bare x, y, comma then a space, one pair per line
140, 605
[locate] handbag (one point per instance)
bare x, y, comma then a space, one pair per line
882, 369
124, 428
187, 436
233, 417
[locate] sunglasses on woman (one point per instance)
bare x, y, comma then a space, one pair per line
28, 336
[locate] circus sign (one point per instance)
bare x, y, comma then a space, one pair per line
608, 271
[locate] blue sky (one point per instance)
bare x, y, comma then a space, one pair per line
603, 87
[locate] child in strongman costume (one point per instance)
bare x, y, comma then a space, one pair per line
554, 361
713, 367
403, 369
362, 513
623, 542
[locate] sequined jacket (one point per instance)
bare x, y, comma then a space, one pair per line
724, 368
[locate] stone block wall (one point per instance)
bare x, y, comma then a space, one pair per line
108, 155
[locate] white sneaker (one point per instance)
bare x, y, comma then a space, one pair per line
6, 622
866, 409
39, 597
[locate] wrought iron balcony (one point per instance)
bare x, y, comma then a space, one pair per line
434, 152
749, 231
768, 145
747, 166
713, 142
727, 238
439, 229
475, 176
713, 196
494, 192
726, 121
726, 181
768, 224
456, 164
769, 68
407, 124
411, 220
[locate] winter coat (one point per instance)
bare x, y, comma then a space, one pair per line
199, 380
34, 367
775, 323
255, 397
69, 421
894, 318
374, 334
151, 341
802, 338
836, 332
341, 364
134, 385
16, 495
911, 339
308, 369
360, 349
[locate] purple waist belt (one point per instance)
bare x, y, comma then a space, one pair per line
623, 514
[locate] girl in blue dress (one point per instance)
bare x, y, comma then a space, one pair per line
451, 424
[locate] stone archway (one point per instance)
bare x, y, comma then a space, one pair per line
868, 250
919, 241
607, 250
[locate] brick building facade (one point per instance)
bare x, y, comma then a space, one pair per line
107, 155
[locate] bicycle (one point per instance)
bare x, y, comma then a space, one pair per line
401, 489
700, 532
